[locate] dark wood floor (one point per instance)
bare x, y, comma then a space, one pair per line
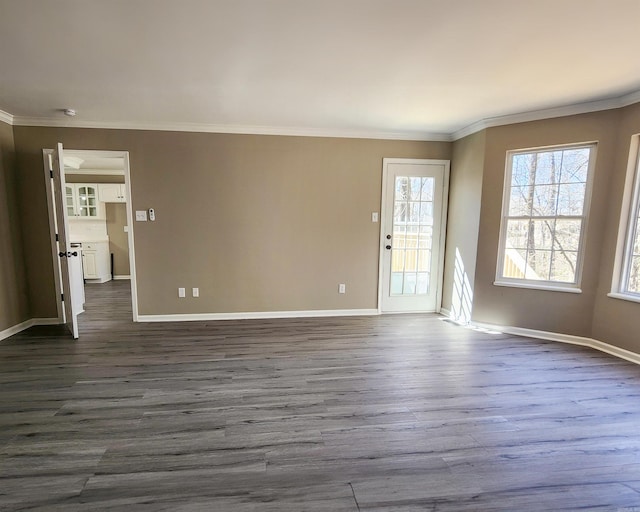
391, 413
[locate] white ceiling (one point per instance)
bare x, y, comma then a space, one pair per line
414, 68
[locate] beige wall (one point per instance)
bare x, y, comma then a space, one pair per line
92, 178
258, 223
465, 193
559, 312
118, 238
616, 321
14, 306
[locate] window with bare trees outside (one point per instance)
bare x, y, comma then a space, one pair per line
545, 208
626, 278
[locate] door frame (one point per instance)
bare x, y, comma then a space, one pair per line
129, 208
443, 225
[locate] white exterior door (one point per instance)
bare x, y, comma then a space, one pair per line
414, 199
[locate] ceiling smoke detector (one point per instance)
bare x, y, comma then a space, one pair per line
69, 112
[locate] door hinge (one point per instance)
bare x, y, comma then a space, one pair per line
51, 173
57, 237
62, 297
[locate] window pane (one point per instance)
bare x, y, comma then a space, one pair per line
515, 263
545, 199
415, 188
424, 261
422, 285
414, 212
396, 283
538, 265
634, 275
567, 235
426, 236
399, 238
426, 213
541, 234
563, 267
411, 261
575, 165
409, 283
636, 239
520, 201
427, 189
521, 169
517, 233
412, 237
397, 261
548, 167
402, 184
571, 198
399, 212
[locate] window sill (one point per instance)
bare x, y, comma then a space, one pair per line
623, 296
535, 286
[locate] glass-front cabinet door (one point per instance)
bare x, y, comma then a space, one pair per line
87, 201
70, 200
81, 200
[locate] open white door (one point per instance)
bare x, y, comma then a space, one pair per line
65, 251
414, 206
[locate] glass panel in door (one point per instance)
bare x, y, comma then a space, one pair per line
412, 235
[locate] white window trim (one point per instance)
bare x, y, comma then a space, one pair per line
556, 286
628, 216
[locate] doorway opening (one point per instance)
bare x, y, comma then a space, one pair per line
93, 222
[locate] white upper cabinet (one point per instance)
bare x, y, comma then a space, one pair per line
112, 193
82, 201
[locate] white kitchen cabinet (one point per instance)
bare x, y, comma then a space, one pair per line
112, 193
96, 261
81, 201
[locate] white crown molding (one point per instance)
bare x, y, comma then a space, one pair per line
234, 129
5, 117
257, 315
491, 122
563, 338
549, 113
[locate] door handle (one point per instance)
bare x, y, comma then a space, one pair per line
67, 254
387, 247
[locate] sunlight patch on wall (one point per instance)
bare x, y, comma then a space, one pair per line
462, 295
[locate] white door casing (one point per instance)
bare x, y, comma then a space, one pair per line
412, 236
48, 158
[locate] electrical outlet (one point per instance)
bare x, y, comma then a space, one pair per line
182, 293
195, 292
342, 288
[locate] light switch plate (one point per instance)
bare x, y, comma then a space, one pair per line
374, 216
141, 215
182, 293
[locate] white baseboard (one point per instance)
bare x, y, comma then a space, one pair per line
257, 315
25, 325
564, 338
98, 280
445, 312
121, 278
